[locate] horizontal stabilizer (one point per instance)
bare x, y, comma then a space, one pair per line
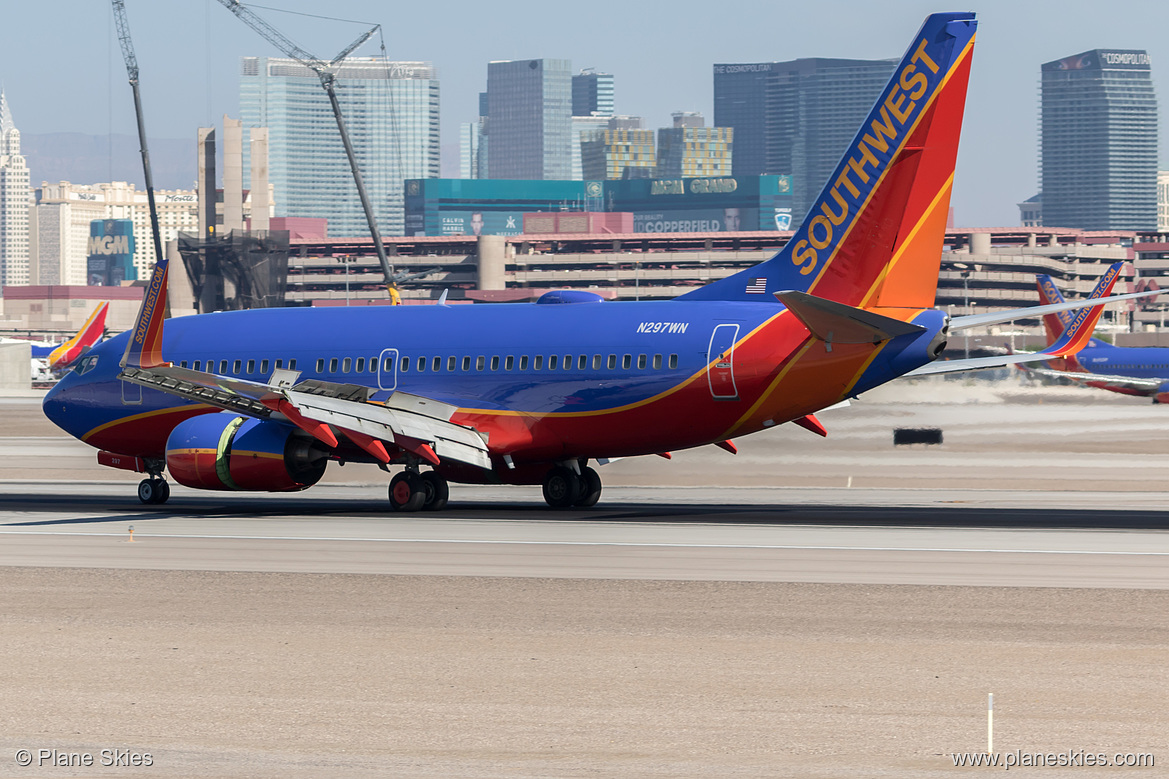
840, 324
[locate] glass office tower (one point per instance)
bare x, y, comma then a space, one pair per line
391, 110
796, 117
529, 119
1098, 139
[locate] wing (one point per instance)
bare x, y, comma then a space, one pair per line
412, 423
1124, 384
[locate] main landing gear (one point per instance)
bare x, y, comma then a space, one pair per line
153, 491
412, 491
563, 488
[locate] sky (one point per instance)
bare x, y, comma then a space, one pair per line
62, 69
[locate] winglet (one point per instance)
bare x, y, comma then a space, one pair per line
1080, 329
145, 347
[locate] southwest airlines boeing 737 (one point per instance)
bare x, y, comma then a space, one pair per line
531, 393
1129, 370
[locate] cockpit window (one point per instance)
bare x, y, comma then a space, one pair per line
86, 364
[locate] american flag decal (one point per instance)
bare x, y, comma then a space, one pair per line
757, 287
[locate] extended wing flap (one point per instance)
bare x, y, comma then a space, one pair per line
383, 422
412, 417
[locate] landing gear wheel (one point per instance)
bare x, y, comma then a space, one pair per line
590, 488
153, 491
437, 491
561, 487
406, 491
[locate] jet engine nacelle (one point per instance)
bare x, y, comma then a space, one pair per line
229, 452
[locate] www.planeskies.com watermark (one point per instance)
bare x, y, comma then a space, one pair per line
1071, 758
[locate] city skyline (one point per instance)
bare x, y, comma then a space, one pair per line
661, 62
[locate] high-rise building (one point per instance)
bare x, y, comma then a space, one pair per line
621, 151
64, 211
529, 119
473, 144
796, 117
391, 110
15, 200
691, 150
1098, 141
1163, 201
592, 93
582, 128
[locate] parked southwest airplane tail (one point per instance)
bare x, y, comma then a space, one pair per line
1142, 371
531, 393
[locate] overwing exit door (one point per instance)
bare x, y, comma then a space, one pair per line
720, 362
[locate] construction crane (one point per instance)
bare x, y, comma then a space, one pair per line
325, 71
132, 71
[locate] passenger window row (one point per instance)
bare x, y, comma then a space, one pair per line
539, 362
238, 366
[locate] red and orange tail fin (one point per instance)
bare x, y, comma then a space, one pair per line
145, 347
1083, 324
874, 236
1055, 324
89, 334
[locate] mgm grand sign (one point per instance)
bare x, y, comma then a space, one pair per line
720, 186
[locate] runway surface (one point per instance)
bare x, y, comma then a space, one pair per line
809, 608
968, 537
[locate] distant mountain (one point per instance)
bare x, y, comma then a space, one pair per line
95, 159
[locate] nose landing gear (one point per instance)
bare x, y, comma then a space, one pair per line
153, 491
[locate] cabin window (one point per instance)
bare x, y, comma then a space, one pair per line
508, 363
372, 364
279, 364
223, 366
657, 362
198, 365
436, 364
387, 364
612, 363
450, 363
320, 366
538, 362
673, 361
360, 365
251, 366
333, 365
405, 364
347, 365
292, 364
641, 362
421, 364
495, 362
466, 363
264, 367
523, 362
568, 362
183, 364
480, 361
582, 362
235, 366
627, 362
596, 362
553, 362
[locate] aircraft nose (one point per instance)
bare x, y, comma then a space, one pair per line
56, 406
